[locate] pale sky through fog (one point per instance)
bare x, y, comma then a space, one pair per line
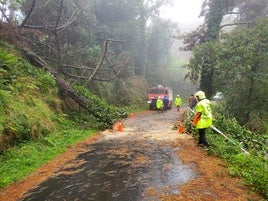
184, 12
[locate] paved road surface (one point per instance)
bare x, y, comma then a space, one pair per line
123, 166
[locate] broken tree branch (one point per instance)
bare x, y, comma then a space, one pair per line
105, 50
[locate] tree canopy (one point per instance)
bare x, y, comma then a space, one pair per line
89, 40
238, 61
215, 11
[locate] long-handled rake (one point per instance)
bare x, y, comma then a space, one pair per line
225, 136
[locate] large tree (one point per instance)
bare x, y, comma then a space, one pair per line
214, 12
241, 72
239, 63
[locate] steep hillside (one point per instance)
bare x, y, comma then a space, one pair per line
29, 101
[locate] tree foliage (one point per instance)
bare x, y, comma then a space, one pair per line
128, 21
214, 12
90, 40
239, 68
243, 60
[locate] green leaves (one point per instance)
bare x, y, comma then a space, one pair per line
106, 115
31, 155
237, 63
253, 169
24, 90
7, 59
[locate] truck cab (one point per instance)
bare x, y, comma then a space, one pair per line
159, 91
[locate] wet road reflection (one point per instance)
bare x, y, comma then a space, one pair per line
118, 169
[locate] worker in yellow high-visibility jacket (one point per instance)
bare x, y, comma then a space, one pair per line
159, 104
203, 116
178, 102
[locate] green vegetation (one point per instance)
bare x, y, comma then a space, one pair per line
102, 112
22, 160
25, 90
253, 167
235, 63
33, 121
239, 71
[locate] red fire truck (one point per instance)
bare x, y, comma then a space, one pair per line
159, 91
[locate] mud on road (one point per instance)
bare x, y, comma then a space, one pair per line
146, 161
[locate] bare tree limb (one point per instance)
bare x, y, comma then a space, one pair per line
59, 15
106, 44
233, 24
58, 28
116, 73
74, 16
111, 65
28, 14
232, 13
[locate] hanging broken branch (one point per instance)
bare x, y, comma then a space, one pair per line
104, 53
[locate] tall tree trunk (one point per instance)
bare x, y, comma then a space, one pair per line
214, 19
213, 22
140, 61
250, 92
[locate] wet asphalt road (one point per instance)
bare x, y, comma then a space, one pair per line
122, 166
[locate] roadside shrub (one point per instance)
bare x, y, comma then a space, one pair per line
253, 168
256, 143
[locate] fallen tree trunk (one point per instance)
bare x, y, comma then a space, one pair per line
63, 85
107, 116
